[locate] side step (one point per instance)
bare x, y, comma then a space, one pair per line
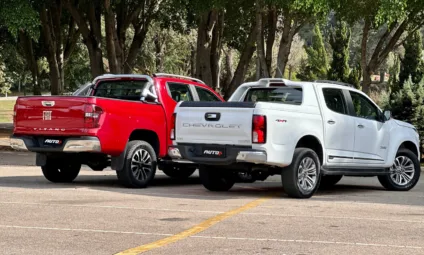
355, 172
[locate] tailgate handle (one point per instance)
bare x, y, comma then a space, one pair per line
47, 103
212, 116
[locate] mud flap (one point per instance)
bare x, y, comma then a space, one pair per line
117, 163
40, 159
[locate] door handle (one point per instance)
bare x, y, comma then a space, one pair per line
331, 122
360, 126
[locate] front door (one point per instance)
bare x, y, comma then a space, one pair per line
338, 127
371, 133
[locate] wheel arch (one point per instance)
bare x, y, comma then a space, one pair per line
313, 143
404, 144
146, 135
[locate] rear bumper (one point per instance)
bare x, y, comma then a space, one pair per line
74, 144
233, 154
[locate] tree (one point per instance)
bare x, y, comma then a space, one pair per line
119, 16
407, 105
393, 19
412, 63
317, 63
339, 41
297, 54
295, 14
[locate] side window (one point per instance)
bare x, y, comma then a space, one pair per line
363, 107
335, 100
180, 92
206, 95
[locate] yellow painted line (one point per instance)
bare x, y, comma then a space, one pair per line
194, 230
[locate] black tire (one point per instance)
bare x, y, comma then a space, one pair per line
142, 173
390, 184
328, 181
61, 172
178, 171
289, 175
215, 179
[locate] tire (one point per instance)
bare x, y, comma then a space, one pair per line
303, 157
328, 181
410, 167
57, 172
178, 171
214, 179
139, 166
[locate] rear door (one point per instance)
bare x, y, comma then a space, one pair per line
338, 126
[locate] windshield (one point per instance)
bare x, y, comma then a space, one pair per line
284, 95
126, 90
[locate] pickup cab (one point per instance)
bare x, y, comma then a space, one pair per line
310, 133
122, 121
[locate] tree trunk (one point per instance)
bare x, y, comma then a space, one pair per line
49, 36
216, 48
272, 28
110, 28
96, 60
31, 61
193, 61
207, 23
159, 48
366, 72
289, 31
245, 57
263, 67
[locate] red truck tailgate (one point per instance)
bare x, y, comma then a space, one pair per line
53, 115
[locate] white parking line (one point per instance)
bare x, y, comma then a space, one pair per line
217, 237
309, 241
217, 212
84, 230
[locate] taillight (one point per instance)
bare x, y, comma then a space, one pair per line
92, 115
14, 113
259, 129
173, 119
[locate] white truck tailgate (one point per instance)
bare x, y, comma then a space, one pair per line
228, 123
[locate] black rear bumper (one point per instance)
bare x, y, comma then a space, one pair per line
210, 154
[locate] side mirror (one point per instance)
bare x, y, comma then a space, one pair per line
387, 115
148, 96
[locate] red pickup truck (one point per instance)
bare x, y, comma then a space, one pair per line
122, 121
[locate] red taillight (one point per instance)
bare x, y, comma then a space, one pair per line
14, 113
259, 129
92, 114
173, 119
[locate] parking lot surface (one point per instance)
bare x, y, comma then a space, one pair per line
95, 215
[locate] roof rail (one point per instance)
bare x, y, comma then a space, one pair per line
109, 75
335, 82
178, 76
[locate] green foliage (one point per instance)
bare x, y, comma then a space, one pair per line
317, 63
339, 41
5, 85
18, 15
407, 104
412, 63
354, 77
394, 71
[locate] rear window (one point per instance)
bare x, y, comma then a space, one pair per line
125, 90
284, 95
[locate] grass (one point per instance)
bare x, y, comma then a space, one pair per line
6, 111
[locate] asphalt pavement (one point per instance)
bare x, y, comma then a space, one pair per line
95, 215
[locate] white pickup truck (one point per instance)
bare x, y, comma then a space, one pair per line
312, 133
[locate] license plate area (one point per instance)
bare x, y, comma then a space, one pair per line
213, 152
55, 142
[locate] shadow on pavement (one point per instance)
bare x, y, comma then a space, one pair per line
192, 189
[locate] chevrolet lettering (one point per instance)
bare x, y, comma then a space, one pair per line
207, 125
